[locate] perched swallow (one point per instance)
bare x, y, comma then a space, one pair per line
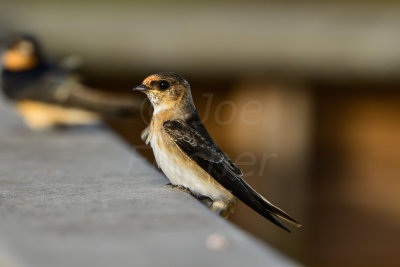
48, 95
188, 156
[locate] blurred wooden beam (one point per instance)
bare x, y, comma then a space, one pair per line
339, 38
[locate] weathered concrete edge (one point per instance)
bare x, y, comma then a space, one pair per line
46, 223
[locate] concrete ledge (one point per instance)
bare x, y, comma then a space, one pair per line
79, 198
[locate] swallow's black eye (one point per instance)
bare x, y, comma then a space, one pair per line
164, 85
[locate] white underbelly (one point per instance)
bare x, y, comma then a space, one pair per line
181, 170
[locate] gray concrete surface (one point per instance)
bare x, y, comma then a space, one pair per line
81, 198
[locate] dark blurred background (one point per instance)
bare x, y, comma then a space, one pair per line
303, 95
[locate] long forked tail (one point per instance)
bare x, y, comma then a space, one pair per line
268, 210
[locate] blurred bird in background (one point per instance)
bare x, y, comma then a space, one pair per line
189, 157
49, 96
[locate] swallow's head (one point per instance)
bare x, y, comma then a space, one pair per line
166, 90
21, 53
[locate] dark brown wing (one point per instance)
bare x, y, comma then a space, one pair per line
193, 139
72, 93
50, 84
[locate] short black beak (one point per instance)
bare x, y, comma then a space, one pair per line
141, 87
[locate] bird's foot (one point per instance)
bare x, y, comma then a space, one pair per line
179, 187
203, 199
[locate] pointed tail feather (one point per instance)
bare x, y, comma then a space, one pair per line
267, 209
274, 209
